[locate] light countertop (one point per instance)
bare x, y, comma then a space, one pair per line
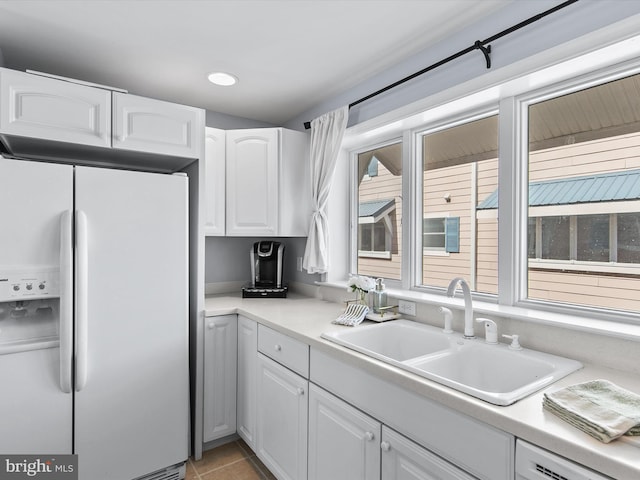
307, 318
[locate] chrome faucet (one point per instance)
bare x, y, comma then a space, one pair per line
468, 307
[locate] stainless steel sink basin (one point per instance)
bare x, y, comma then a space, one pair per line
494, 373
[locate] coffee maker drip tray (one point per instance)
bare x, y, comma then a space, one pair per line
251, 291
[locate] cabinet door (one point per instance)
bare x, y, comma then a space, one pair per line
220, 353
252, 182
404, 460
344, 443
247, 368
147, 125
282, 420
51, 109
214, 175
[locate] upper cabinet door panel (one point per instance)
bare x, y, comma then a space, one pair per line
146, 125
252, 182
50, 109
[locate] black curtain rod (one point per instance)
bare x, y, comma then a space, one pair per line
478, 45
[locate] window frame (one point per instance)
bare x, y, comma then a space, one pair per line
480, 111
518, 205
354, 252
511, 104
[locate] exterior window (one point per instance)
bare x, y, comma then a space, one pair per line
586, 238
441, 235
628, 230
555, 238
380, 212
584, 197
592, 238
460, 172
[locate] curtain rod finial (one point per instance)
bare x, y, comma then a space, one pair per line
307, 125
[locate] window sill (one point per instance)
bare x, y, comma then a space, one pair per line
610, 328
385, 255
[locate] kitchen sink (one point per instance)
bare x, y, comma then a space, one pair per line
494, 373
394, 341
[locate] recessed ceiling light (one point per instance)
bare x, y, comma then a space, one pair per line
222, 78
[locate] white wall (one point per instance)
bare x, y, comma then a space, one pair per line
227, 259
570, 23
228, 122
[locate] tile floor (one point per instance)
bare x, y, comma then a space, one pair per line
233, 461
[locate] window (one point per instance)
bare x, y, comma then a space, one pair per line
379, 176
554, 237
584, 197
375, 228
611, 238
460, 171
628, 238
568, 237
441, 235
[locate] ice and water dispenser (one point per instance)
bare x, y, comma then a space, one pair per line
29, 306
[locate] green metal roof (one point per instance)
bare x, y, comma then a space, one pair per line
374, 207
604, 187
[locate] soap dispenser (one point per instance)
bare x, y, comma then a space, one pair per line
379, 296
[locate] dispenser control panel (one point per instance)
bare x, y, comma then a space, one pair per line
28, 283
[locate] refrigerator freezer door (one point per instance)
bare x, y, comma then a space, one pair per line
35, 414
132, 409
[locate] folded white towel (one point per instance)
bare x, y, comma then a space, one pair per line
353, 315
600, 408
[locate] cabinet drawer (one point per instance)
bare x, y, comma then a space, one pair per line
289, 352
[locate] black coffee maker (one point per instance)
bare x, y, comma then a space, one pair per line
267, 261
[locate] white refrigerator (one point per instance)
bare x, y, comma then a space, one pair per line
94, 318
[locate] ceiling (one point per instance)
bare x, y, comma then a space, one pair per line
289, 55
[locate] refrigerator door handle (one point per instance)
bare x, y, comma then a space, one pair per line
81, 299
66, 300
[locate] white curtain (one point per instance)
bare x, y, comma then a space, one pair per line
326, 137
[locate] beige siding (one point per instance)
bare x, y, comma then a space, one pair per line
384, 186
599, 156
595, 290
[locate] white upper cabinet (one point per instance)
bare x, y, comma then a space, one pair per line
50, 109
214, 174
268, 183
146, 125
59, 119
252, 180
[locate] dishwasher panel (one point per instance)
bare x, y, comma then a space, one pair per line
534, 463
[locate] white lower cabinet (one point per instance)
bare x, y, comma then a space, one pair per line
247, 381
344, 443
403, 459
282, 420
449, 445
220, 357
